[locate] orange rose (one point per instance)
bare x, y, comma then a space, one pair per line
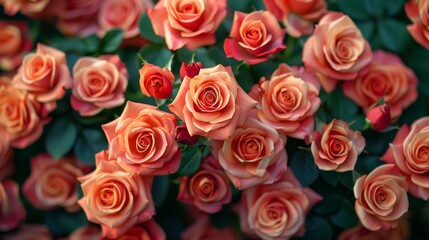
99, 83
208, 188
336, 147
11, 7
212, 103
7, 166
388, 78
116, 199
381, 198
409, 151
253, 155
14, 42
52, 183
142, 140
336, 50
77, 17
417, 12
88, 232
297, 15
155, 81
278, 210
190, 23
255, 37
148, 230
12, 212
29, 232
202, 229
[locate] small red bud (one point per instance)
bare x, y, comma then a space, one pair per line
191, 70
183, 136
379, 116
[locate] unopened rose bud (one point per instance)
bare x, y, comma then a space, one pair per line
183, 136
155, 81
190, 70
379, 117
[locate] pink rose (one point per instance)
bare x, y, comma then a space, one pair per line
7, 166
14, 42
12, 212
276, 211
11, 7
212, 103
417, 12
253, 155
409, 151
52, 183
202, 229
99, 83
254, 37
379, 117
116, 199
142, 140
88, 232
148, 230
336, 50
297, 15
29, 232
381, 198
208, 188
189, 23
387, 77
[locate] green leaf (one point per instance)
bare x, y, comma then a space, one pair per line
92, 43
317, 228
160, 189
68, 44
330, 177
367, 28
380, 8
157, 55
146, 30
345, 217
62, 223
340, 106
354, 8
329, 204
223, 218
393, 35
88, 143
191, 160
346, 178
112, 40
60, 137
303, 167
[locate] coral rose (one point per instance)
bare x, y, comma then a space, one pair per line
190, 23
52, 183
409, 151
208, 188
29, 232
7, 166
155, 81
379, 116
11, 7
12, 212
14, 42
254, 37
202, 229
381, 198
212, 103
77, 17
99, 83
336, 50
148, 230
88, 232
142, 140
418, 13
116, 199
276, 211
297, 15
388, 78
336, 147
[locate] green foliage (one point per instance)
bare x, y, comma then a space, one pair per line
88, 143
112, 40
60, 137
191, 160
302, 164
146, 30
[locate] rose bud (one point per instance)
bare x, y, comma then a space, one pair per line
192, 69
155, 81
379, 116
183, 136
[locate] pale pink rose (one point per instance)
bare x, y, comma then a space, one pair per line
142, 140
381, 198
7, 166
88, 232
409, 151
27, 7
418, 13
278, 210
190, 23
297, 15
336, 147
202, 229
116, 199
122, 14
212, 103
30, 232
387, 77
14, 42
254, 154
208, 188
12, 212
254, 37
288, 102
99, 83
148, 230
336, 50
52, 183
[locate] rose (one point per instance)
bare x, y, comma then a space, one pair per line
116, 199
276, 211
409, 151
361, 233
336, 50
253, 155
14, 42
381, 198
149, 230
122, 14
336, 147
212, 103
142, 140
297, 15
12, 212
202, 229
87, 232
155, 81
417, 12
208, 188
7, 166
45, 75
30, 231
99, 83
190, 23
254, 37
191, 70
76, 17
288, 102
11, 7
52, 183
182, 135
388, 78
379, 116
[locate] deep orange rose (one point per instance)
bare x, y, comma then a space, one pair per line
155, 81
